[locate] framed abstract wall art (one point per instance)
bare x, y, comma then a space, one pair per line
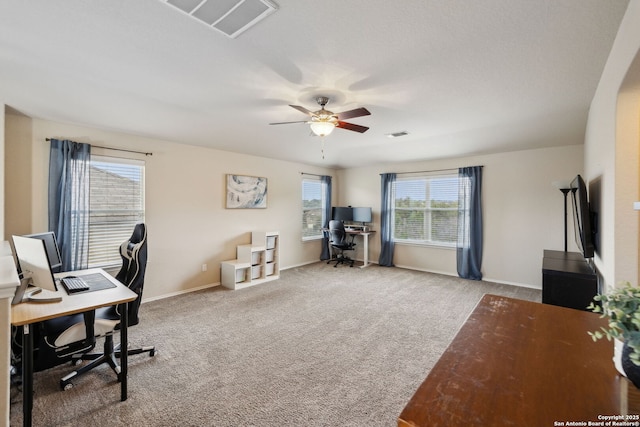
246, 192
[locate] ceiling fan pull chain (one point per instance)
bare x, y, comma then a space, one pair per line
322, 146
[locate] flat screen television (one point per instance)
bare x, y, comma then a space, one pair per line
343, 214
582, 218
362, 215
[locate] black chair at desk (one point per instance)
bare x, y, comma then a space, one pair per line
340, 242
71, 338
107, 320
46, 355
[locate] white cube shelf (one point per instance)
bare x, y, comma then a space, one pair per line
256, 262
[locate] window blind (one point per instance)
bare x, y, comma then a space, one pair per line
116, 204
312, 207
426, 209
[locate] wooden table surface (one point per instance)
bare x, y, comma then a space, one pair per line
27, 313
521, 363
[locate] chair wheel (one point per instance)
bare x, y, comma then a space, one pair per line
152, 353
65, 385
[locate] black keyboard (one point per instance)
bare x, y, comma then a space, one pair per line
74, 284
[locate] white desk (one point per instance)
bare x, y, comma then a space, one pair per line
28, 313
365, 243
365, 240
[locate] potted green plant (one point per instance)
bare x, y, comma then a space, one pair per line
621, 306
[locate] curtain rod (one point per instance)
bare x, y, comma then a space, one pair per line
312, 174
433, 170
117, 149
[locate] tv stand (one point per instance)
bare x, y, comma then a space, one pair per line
568, 280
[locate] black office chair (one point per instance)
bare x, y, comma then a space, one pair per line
340, 242
107, 320
71, 338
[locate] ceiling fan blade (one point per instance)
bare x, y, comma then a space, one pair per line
287, 123
351, 126
358, 112
302, 109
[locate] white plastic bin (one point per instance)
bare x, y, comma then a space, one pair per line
271, 242
270, 255
270, 268
255, 258
241, 275
256, 271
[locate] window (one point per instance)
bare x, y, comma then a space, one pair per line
426, 210
116, 204
313, 205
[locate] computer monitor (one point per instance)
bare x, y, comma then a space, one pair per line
362, 215
343, 214
51, 246
33, 262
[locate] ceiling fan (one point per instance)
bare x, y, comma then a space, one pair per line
323, 122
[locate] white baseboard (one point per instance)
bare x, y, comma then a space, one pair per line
186, 291
444, 273
486, 279
208, 286
505, 282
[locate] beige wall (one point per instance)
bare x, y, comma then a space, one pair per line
19, 175
4, 299
185, 214
523, 211
3, 172
189, 226
611, 153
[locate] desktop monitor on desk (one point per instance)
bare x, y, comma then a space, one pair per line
362, 215
51, 246
33, 263
353, 218
343, 214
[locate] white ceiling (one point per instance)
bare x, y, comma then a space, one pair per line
462, 77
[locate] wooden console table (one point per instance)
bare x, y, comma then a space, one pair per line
522, 363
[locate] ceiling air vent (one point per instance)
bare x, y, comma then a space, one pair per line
397, 134
231, 17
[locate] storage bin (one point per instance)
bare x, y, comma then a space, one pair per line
270, 268
256, 271
271, 242
270, 255
255, 258
241, 275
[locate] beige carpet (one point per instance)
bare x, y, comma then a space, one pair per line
322, 346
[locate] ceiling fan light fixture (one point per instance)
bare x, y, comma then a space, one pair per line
322, 128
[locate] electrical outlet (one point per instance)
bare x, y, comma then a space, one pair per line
204, 267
